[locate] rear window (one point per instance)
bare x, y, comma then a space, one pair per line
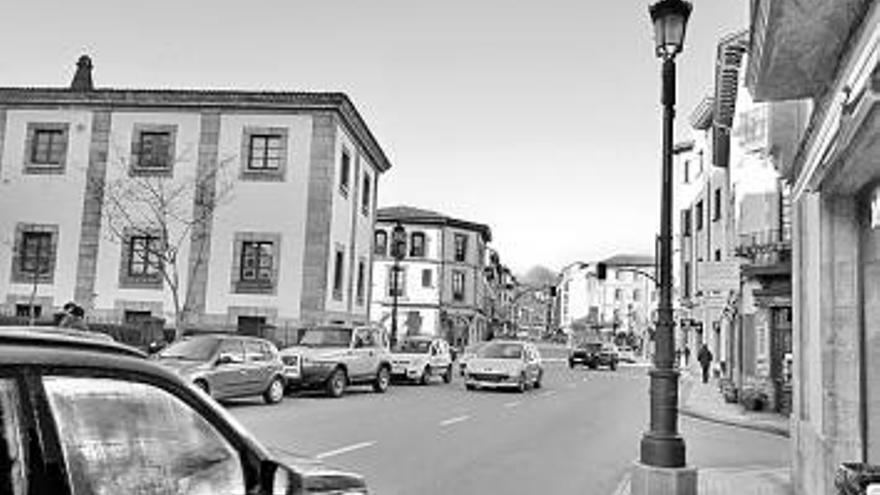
501, 351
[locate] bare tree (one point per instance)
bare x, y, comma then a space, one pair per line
165, 214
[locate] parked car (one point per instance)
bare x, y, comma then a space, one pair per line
420, 358
227, 365
593, 354
81, 415
626, 354
334, 357
505, 364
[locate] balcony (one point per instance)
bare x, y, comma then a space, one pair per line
768, 253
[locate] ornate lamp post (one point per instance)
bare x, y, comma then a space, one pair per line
398, 251
662, 467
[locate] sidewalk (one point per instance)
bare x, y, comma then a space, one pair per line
704, 401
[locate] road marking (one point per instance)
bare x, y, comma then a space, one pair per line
343, 450
512, 404
452, 421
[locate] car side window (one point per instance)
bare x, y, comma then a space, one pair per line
234, 349
256, 352
13, 467
128, 437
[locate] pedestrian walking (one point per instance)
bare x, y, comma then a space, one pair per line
705, 359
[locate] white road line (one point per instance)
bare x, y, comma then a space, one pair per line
512, 404
452, 421
343, 450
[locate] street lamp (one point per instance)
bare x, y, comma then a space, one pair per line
398, 251
662, 467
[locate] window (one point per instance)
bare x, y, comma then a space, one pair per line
686, 222
144, 260
717, 255
134, 317
457, 285
128, 437
34, 258
620, 275
361, 282
687, 279
338, 272
265, 152
460, 247
155, 150
257, 267
427, 277
699, 215
46, 147
24, 310
380, 243
255, 351
397, 281
637, 295
618, 294
366, 199
13, 462
233, 348
687, 171
417, 245
152, 149
344, 172
717, 206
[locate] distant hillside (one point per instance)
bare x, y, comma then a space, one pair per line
537, 276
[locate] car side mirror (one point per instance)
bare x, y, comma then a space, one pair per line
224, 358
280, 478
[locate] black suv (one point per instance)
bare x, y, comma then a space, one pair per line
85, 416
593, 355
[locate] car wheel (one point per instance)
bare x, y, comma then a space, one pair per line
538, 380
336, 383
447, 375
203, 386
613, 365
383, 377
275, 393
571, 363
426, 376
470, 386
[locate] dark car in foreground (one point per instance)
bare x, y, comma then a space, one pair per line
84, 416
227, 366
593, 355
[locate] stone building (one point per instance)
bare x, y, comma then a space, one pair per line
441, 285
830, 161
288, 245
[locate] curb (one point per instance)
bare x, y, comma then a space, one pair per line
765, 428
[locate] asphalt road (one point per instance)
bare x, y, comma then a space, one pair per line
578, 434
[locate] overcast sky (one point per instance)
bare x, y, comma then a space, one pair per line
540, 118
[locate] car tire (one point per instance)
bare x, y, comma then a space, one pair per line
537, 383
203, 386
335, 386
571, 363
470, 386
383, 378
447, 375
275, 393
426, 376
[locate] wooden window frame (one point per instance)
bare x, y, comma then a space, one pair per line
33, 164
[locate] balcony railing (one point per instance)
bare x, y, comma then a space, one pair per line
766, 246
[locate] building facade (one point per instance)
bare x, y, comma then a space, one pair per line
831, 166
258, 206
441, 285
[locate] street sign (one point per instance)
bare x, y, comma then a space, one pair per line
718, 276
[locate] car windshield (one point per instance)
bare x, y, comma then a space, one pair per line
326, 337
191, 349
414, 346
501, 351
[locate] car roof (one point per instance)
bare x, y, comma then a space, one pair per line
64, 338
223, 335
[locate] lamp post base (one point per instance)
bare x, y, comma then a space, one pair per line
652, 480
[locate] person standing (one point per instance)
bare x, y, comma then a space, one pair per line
705, 359
74, 317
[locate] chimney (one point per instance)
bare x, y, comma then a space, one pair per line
82, 80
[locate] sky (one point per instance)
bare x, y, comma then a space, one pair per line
540, 119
